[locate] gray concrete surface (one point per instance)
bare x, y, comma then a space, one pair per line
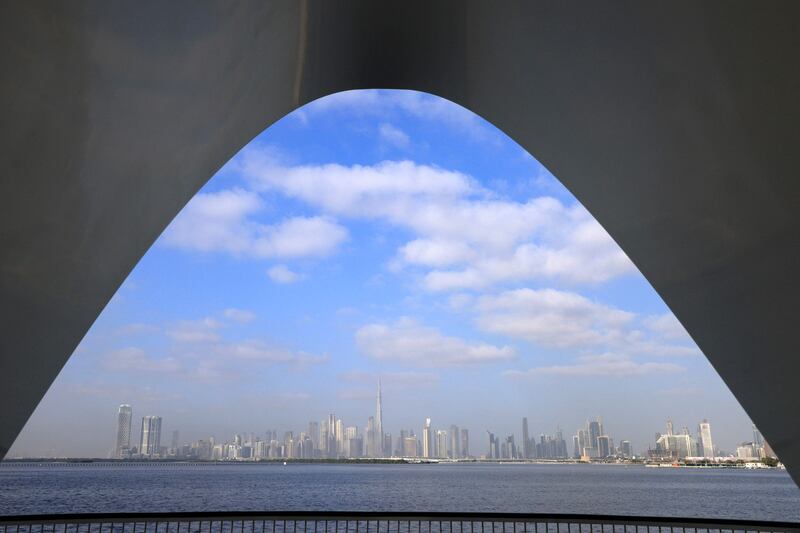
676, 124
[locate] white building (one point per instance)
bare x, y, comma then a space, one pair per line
150, 441
123, 431
706, 446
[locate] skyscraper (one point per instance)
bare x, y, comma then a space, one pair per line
758, 440
455, 444
595, 430
123, 431
465, 443
427, 440
603, 446
706, 445
625, 449
150, 442
371, 442
526, 441
441, 443
409, 448
313, 434
379, 426
330, 445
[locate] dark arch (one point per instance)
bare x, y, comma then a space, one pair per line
675, 124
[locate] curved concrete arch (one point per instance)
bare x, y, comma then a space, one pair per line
674, 124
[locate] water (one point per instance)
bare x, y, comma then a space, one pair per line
599, 489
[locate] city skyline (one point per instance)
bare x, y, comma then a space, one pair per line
332, 439
392, 234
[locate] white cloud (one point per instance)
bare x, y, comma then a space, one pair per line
136, 360
282, 274
465, 239
667, 326
561, 319
135, 329
222, 222
394, 136
242, 316
203, 330
551, 318
605, 365
406, 341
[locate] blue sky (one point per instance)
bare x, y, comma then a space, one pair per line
385, 233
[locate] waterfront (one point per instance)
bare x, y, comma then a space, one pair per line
557, 488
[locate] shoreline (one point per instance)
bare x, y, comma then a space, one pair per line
99, 462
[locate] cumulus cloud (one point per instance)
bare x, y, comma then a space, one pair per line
136, 328
562, 319
223, 222
136, 360
203, 330
408, 342
667, 326
394, 136
282, 274
242, 316
465, 238
551, 318
605, 365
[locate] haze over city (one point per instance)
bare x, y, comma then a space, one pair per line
385, 234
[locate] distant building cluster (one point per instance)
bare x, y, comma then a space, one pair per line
327, 439
679, 446
332, 439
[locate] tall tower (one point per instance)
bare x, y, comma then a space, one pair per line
379, 447
150, 442
455, 444
123, 430
427, 439
705, 439
526, 441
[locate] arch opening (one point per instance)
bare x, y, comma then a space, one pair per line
482, 266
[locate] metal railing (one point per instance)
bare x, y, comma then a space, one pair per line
367, 522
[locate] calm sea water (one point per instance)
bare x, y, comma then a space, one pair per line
634, 490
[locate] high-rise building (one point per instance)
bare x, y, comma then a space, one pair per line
123, 431
371, 441
706, 445
409, 447
625, 449
330, 445
758, 440
603, 446
150, 441
379, 439
455, 444
441, 443
313, 434
427, 440
676, 446
576, 447
494, 446
465, 443
526, 441
595, 428
340, 451
175, 439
